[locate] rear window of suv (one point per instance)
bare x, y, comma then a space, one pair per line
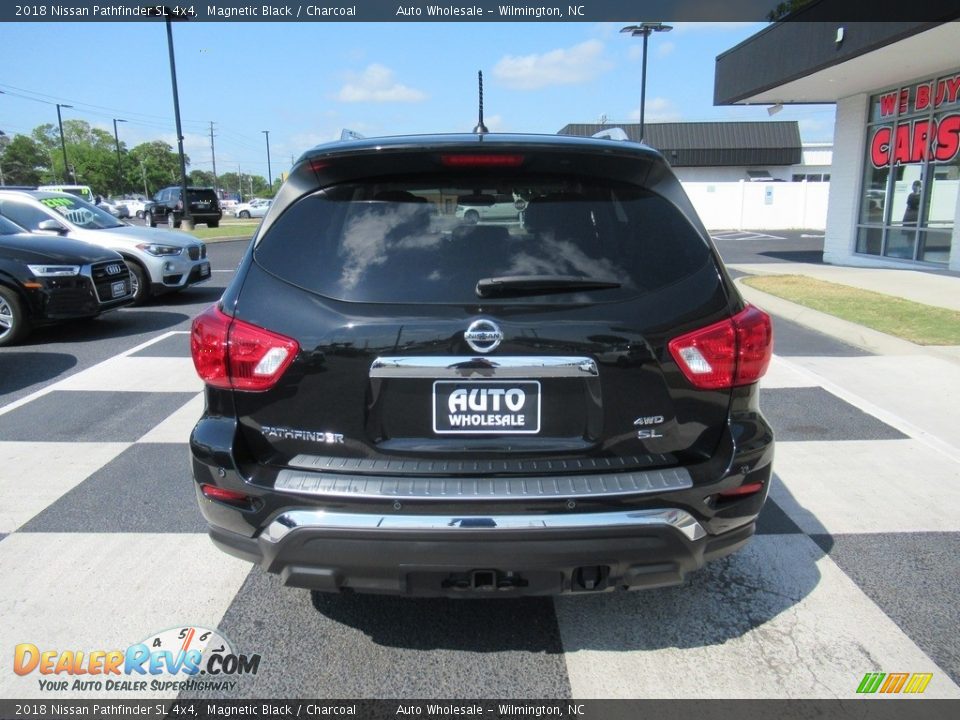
399, 241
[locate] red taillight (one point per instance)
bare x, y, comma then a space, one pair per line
231, 353
473, 160
223, 495
748, 489
728, 353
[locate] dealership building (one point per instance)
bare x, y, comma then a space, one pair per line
895, 179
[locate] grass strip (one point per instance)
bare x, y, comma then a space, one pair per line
918, 323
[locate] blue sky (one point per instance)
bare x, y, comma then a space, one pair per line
305, 82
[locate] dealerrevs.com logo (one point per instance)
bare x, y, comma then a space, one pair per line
187, 658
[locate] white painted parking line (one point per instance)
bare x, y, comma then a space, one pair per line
783, 375
34, 475
866, 486
778, 619
177, 427
137, 374
921, 392
79, 591
56, 386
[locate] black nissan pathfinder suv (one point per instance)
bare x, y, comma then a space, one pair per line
563, 399
167, 207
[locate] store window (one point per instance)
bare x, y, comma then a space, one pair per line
911, 175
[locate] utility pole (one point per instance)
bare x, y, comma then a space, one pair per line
143, 172
116, 139
63, 143
239, 182
269, 172
213, 155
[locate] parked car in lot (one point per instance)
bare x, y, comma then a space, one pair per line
46, 279
398, 405
256, 208
490, 208
167, 207
135, 206
160, 261
115, 207
81, 191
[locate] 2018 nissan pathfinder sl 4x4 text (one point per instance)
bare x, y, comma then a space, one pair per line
399, 400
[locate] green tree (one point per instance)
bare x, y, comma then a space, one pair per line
23, 161
201, 178
156, 165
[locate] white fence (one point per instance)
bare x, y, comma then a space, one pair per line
760, 205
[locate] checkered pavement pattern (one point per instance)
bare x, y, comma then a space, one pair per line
853, 569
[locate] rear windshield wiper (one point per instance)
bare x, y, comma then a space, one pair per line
518, 285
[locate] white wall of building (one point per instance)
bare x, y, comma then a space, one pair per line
849, 141
732, 174
760, 206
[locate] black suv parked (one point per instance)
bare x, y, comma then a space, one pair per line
403, 401
48, 279
167, 207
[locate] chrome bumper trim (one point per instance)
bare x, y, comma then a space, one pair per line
495, 366
398, 487
679, 520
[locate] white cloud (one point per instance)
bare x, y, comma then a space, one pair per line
665, 48
658, 110
571, 66
377, 84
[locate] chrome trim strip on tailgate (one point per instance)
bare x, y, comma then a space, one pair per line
458, 366
482, 488
679, 520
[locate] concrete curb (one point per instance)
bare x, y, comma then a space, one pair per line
859, 336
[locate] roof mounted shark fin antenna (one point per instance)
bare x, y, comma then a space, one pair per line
480, 129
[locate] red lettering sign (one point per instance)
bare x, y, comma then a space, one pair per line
922, 100
947, 90
948, 139
904, 100
880, 147
916, 142
888, 104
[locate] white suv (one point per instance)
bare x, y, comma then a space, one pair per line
160, 260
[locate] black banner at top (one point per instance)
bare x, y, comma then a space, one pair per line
481, 11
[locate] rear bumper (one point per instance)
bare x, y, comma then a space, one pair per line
510, 555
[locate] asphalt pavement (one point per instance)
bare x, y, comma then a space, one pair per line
854, 568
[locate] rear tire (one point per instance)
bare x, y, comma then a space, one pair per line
472, 217
139, 214
244, 215
139, 282
149, 220
14, 323
172, 222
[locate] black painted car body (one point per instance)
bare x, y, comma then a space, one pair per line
46, 279
399, 401
167, 207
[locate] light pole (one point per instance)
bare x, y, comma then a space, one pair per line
3, 145
116, 139
187, 218
269, 173
644, 29
63, 143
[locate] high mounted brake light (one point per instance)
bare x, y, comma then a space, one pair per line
482, 160
230, 353
728, 353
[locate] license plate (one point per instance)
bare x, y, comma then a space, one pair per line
486, 407
118, 289
205, 269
